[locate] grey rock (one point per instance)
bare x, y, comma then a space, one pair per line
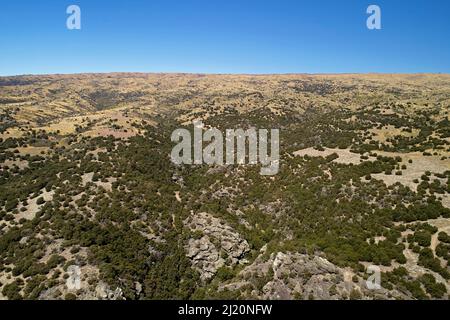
219, 246
300, 276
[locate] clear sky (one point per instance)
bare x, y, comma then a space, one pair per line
224, 36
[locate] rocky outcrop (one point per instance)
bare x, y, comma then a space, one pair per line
289, 276
218, 245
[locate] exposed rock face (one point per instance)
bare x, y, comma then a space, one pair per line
205, 257
289, 276
220, 245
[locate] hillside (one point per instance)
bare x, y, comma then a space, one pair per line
91, 207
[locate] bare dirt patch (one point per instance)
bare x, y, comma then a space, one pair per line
33, 151
387, 132
32, 208
420, 164
344, 155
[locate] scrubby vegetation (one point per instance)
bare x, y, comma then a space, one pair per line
109, 204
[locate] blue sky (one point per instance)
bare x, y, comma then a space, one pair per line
224, 36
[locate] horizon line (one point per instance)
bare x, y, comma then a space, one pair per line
220, 74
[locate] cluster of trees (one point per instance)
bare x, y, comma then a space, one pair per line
420, 212
427, 259
422, 288
435, 289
